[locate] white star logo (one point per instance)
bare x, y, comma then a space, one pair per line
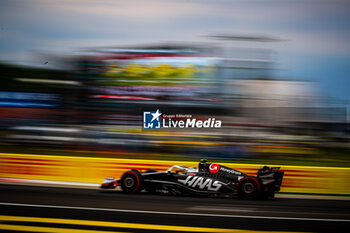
155, 115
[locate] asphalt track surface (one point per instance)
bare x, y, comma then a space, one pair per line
50, 209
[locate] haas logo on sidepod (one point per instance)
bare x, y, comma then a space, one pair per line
201, 183
214, 168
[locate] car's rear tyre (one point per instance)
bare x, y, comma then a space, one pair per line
132, 182
248, 188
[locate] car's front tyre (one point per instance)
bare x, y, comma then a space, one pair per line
132, 182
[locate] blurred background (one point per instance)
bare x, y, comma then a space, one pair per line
76, 78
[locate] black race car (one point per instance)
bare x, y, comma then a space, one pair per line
209, 179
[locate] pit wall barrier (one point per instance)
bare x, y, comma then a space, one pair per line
297, 179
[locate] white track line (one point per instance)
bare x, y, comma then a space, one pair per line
175, 213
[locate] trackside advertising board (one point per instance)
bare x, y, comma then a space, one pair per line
297, 179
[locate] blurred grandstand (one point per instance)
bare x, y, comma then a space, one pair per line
95, 107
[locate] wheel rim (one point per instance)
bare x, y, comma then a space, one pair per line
129, 182
248, 188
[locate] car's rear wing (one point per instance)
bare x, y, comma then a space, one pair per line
271, 176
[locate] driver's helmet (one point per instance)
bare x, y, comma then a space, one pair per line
202, 166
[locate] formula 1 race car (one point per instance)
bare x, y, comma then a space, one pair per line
209, 179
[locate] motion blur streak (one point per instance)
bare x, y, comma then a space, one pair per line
281, 215
297, 179
177, 213
107, 224
48, 229
82, 84
94, 106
